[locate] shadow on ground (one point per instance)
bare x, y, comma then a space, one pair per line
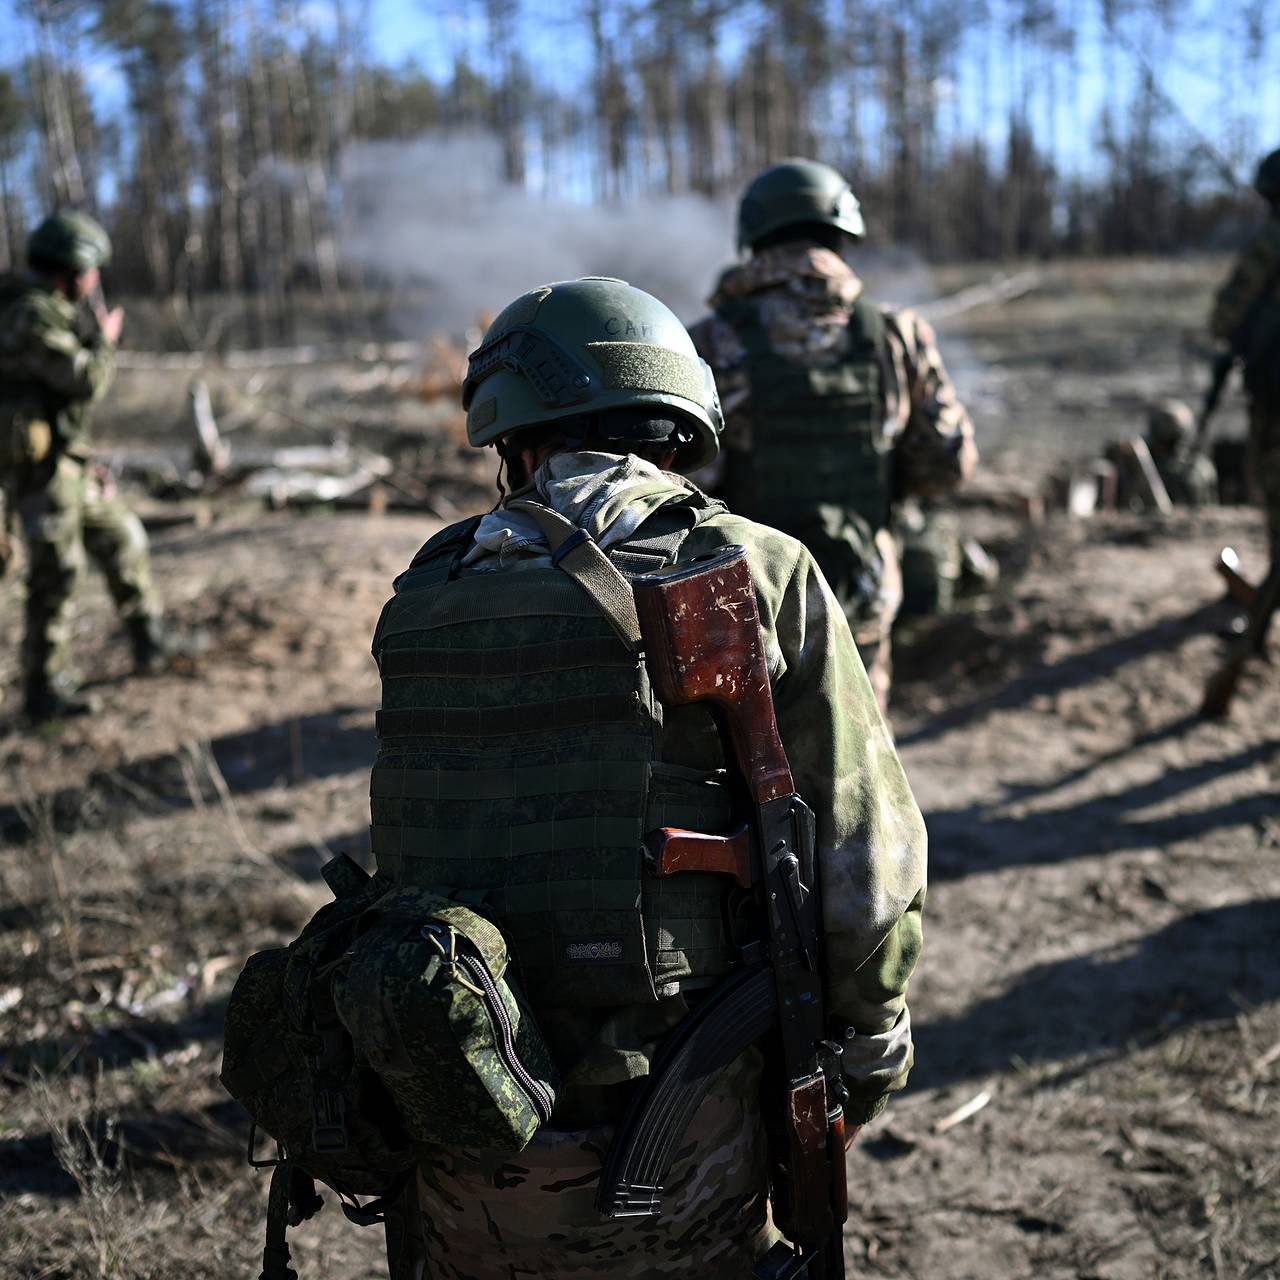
293, 750
1190, 971
107, 1047
973, 839
921, 663
31, 1165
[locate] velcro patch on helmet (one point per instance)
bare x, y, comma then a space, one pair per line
637, 366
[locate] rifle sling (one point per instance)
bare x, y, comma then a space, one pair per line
731, 1018
576, 552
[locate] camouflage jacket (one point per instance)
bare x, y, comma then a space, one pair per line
47, 368
1257, 268
871, 837
805, 294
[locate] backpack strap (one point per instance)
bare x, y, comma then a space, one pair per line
275, 1253
576, 552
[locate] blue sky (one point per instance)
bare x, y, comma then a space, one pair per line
1192, 70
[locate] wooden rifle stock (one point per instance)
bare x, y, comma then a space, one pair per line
1221, 688
702, 642
1242, 591
701, 632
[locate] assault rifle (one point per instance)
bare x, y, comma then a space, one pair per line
702, 641
1219, 372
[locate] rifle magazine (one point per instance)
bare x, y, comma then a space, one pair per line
722, 1026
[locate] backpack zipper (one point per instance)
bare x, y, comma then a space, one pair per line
505, 1040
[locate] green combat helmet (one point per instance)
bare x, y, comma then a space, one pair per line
71, 240
1170, 425
797, 191
1266, 181
585, 346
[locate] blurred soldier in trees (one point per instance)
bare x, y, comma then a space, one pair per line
52, 370
1246, 316
1188, 473
835, 406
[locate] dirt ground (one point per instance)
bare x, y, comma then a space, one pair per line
1101, 959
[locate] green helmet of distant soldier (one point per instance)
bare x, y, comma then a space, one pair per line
1171, 426
1266, 182
797, 193
599, 357
69, 240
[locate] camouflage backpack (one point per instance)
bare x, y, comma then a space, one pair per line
387, 1024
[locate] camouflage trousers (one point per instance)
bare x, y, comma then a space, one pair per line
67, 516
495, 1217
874, 635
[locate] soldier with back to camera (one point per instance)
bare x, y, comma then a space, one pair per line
835, 406
524, 755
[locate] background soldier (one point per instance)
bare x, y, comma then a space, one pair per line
534, 786
51, 373
1189, 475
1246, 316
835, 406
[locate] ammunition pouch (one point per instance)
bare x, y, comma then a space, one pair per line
26, 440
389, 1023
426, 997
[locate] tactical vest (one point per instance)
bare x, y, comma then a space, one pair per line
520, 762
817, 433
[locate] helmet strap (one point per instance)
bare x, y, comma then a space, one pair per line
503, 469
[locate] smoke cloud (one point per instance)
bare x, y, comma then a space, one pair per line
435, 216
436, 212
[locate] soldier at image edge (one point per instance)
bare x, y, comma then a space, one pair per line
1246, 317
51, 374
1189, 475
835, 406
538, 801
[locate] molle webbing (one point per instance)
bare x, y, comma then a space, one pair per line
518, 757
816, 431
488, 722
520, 660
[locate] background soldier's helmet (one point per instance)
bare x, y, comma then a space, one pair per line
1267, 180
797, 191
1170, 424
71, 240
583, 347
